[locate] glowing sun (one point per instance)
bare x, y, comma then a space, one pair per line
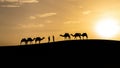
107, 27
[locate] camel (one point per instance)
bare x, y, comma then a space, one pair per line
76, 35
66, 35
30, 40
26, 41
84, 35
39, 39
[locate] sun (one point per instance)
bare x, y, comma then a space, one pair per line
107, 27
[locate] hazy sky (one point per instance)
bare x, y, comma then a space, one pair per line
32, 18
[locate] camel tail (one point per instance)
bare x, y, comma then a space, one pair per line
87, 36
69, 37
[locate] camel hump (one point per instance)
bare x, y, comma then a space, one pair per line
43, 38
23, 38
67, 34
77, 33
84, 34
29, 39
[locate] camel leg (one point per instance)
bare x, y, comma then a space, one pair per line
74, 37
35, 42
31, 42
80, 37
69, 37
87, 37
26, 43
65, 38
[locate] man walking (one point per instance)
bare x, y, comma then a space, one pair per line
53, 38
49, 39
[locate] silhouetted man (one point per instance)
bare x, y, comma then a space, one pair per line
53, 38
48, 39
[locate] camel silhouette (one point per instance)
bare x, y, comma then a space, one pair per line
38, 39
30, 40
66, 35
76, 35
26, 41
84, 35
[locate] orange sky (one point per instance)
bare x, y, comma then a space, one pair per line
32, 18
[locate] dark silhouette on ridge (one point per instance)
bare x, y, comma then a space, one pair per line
76, 35
66, 35
39, 39
49, 39
30, 40
84, 35
24, 40
53, 38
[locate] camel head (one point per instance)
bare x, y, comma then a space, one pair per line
43, 38
72, 34
61, 35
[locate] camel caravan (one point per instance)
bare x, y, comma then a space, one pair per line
38, 40
30, 40
76, 35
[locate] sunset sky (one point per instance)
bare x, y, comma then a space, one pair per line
33, 18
